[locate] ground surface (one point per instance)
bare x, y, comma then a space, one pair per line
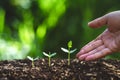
59, 70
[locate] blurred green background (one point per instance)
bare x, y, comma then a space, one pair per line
29, 27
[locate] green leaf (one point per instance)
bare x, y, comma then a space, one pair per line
70, 44
30, 58
53, 54
46, 54
65, 50
36, 58
72, 51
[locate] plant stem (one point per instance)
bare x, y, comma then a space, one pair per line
49, 61
69, 56
33, 64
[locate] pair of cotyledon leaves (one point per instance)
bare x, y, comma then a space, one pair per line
68, 50
32, 59
63, 49
49, 55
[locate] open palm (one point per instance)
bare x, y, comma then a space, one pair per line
103, 45
107, 42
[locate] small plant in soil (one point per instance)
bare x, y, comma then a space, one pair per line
49, 57
32, 60
69, 51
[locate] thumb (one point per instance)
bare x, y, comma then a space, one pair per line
98, 22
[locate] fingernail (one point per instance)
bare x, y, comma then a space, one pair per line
81, 57
77, 54
89, 23
82, 51
89, 58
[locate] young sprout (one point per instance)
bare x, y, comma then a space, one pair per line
49, 57
69, 51
32, 60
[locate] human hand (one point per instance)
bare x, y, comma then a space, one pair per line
107, 42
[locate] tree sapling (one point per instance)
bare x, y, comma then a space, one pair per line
69, 51
49, 57
32, 60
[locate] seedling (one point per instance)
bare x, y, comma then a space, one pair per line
32, 60
69, 51
49, 57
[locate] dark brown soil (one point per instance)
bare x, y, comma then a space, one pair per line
59, 70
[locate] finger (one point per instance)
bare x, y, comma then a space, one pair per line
82, 57
82, 51
98, 22
90, 47
98, 55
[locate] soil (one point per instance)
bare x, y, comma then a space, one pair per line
59, 70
